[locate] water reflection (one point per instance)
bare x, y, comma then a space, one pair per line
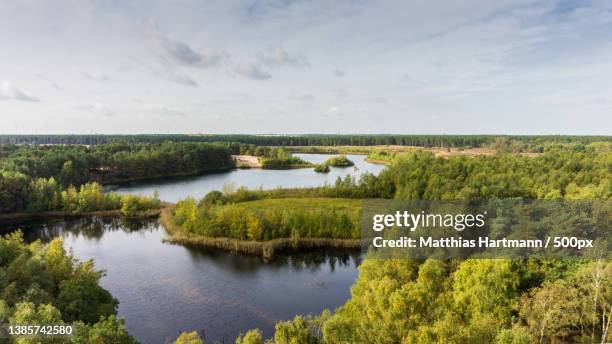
90, 227
311, 261
164, 289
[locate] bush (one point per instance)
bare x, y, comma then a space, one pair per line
322, 168
339, 161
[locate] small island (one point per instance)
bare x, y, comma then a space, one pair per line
322, 168
339, 161
280, 159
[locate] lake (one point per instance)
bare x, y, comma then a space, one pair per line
172, 190
164, 289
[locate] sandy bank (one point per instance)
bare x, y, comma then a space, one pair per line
246, 161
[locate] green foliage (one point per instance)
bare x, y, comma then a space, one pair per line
19, 193
214, 197
110, 330
296, 331
189, 338
251, 337
270, 218
382, 156
474, 301
557, 174
30, 313
43, 284
515, 335
485, 287
131, 205
573, 309
339, 161
80, 297
322, 168
279, 158
115, 162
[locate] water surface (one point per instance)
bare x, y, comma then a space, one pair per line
164, 289
172, 190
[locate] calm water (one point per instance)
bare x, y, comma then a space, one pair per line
164, 289
198, 187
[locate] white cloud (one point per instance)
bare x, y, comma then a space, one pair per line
181, 53
93, 76
47, 80
252, 70
96, 108
8, 91
334, 111
101, 109
172, 75
303, 97
405, 77
513, 66
340, 93
275, 56
164, 110
339, 73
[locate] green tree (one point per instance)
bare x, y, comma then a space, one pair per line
251, 337
188, 338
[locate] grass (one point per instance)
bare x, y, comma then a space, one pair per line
310, 203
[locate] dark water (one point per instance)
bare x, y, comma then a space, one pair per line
164, 289
198, 187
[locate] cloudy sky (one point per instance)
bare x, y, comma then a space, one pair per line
306, 66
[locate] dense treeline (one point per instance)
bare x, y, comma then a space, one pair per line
269, 219
20, 193
305, 140
115, 162
557, 174
475, 301
45, 284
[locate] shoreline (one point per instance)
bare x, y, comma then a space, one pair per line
14, 218
127, 181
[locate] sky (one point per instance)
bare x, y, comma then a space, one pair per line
306, 66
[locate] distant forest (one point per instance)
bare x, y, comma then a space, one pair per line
305, 140
115, 162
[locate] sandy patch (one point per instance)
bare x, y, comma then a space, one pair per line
246, 161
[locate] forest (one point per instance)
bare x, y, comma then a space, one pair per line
20, 193
115, 162
306, 140
45, 284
